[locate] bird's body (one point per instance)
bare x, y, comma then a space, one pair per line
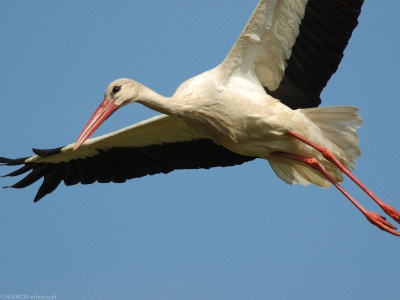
258, 103
238, 115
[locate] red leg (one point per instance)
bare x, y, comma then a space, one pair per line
391, 211
373, 217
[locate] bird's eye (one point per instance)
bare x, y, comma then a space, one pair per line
116, 89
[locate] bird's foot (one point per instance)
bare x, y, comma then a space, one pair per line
372, 217
391, 211
381, 222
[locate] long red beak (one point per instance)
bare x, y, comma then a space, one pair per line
105, 109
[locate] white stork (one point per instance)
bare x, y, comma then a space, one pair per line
260, 102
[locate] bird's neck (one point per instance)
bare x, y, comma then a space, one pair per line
157, 102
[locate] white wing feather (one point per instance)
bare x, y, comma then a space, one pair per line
157, 130
266, 42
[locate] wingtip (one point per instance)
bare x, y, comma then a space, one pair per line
47, 152
4, 161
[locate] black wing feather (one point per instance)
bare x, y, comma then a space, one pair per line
120, 164
324, 34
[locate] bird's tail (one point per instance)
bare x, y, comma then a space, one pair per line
338, 126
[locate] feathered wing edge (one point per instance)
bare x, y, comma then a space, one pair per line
324, 34
136, 156
294, 63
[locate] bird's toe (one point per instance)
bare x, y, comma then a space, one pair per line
392, 212
381, 223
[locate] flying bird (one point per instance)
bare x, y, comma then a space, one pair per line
260, 102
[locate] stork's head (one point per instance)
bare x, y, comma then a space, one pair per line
119, 93
122, 91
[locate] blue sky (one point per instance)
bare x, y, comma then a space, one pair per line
225, 233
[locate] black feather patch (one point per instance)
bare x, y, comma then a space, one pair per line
119, 164
324, 33
46, 152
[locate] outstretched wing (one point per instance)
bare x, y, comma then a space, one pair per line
294, 46
158, 145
